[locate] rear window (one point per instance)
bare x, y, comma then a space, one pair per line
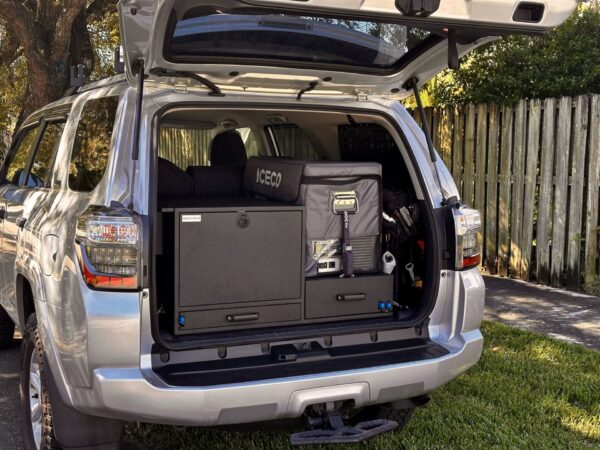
187, 147
292, 142
92, 144
280, 37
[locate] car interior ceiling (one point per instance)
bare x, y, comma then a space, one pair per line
208, 159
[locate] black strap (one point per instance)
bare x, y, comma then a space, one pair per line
348, 257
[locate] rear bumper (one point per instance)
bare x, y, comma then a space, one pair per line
129, 394
134, 392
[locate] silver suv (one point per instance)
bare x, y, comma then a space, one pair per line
247, 226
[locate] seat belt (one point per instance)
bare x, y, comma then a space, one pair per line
345, 204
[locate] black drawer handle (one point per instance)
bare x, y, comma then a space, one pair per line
242, 317
351, 297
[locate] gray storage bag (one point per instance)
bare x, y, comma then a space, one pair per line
343, 202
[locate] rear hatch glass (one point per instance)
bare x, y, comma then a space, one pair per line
260, 38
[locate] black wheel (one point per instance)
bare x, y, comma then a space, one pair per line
385, 411
7, 329
37, 424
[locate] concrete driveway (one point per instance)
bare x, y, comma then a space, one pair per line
567, 316
10, 435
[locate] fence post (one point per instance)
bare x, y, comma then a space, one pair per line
458, 147
491, 213
591, 228
504, 197
561, 189
533, 145
468, 162
544, 226
575, 235
518, 171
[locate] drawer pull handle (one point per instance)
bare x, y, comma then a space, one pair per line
351, 297
242, 317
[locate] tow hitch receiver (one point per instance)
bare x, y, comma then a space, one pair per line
330, 428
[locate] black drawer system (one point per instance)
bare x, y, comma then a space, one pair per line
235, 266
244, 267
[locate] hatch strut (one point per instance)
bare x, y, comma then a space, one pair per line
137, 125
413, 84
215, 91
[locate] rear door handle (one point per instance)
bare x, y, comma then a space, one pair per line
21, 222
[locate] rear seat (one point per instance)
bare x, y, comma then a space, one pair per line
228, 160
223, 178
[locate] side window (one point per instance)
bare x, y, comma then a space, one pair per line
19, 160
42, 163
292, 142
91, 148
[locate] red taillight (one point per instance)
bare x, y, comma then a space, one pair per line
467, 223
108, 249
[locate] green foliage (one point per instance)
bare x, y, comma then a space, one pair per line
565, 62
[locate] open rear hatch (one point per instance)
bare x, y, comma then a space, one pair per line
344, 47
256, 267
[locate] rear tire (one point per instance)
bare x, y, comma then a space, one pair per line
57, 425
7, 329
37, 420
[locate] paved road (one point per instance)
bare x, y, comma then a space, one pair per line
560, 314
563, 315
10, 437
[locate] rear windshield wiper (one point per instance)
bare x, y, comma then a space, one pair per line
215, 90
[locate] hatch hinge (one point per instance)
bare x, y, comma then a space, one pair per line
180, 87
413, 85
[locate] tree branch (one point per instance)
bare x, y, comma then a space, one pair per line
62, 33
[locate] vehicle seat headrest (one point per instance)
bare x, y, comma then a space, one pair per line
228, 150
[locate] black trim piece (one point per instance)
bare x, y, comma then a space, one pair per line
279, 333
434, 251
311, 87
286, 361
215, 90
465, 27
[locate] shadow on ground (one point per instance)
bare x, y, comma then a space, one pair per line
10, 434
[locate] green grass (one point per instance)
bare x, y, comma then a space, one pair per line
528, 391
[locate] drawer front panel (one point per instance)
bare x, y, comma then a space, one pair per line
237, 257
340, 297
240, 317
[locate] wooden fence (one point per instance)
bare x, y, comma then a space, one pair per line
533, 170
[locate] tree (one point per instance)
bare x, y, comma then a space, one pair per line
566, 61
48, 37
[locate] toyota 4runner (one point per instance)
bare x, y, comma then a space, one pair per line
247, 226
